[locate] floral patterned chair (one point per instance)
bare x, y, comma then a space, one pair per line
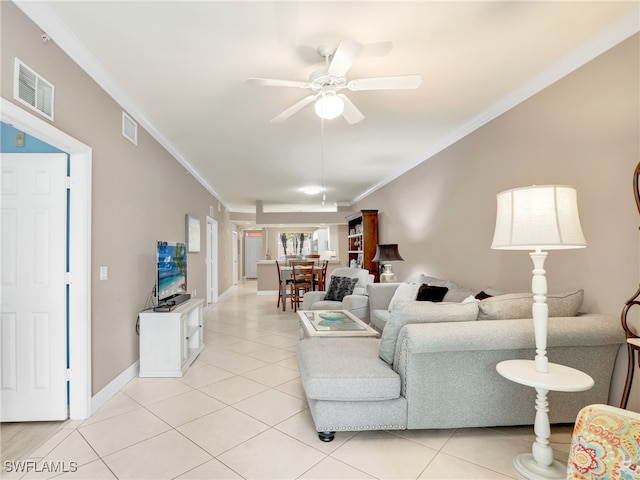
605, 444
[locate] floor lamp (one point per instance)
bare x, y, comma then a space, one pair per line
540, 218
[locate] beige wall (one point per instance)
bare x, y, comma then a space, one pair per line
140, 194
582, 131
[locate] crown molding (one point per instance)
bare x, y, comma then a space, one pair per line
46, 19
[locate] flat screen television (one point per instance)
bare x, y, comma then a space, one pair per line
171, 271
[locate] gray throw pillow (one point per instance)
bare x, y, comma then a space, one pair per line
518, 305
340, 287
409, 311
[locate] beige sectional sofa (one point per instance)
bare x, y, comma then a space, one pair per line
434, 365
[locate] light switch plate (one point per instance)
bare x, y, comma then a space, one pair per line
104, 273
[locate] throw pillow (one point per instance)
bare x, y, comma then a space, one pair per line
405, 291
518, 305
340, 287
482, 295
456, 293
431, 293
407, 311
431, 280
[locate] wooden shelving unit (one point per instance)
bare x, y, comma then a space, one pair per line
362, 240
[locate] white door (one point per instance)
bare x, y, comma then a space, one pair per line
252, 252
33, 316
234, 260
212, 260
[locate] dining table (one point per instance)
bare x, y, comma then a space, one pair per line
286, 273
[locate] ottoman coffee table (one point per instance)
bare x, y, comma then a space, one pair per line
333, 323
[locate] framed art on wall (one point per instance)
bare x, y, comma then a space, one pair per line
192, 235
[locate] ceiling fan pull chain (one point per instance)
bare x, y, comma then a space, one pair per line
322, 159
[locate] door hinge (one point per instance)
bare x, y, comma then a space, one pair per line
67, 375
69, 183
67, 278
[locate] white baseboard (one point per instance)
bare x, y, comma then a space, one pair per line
226, 293
113, 387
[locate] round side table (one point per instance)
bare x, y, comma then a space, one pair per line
539, 464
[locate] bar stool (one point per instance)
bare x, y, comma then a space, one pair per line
633, 347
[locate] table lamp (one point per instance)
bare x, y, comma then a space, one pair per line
385, 253
540, 218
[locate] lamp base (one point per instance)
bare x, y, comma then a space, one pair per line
528, 467
387, 275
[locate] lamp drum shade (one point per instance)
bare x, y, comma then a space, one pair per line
540, 217
387, 252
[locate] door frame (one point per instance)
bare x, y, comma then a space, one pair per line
234, 255
79, 307
212, 260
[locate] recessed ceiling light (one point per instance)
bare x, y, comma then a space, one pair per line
312, 190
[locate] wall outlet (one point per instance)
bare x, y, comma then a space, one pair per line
193, 292
104, 273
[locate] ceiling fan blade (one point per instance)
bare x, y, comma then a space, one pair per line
343, 58
385, 83
269, 82
294, 108
351, 113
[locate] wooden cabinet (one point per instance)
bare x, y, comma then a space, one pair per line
171, 341
362, 240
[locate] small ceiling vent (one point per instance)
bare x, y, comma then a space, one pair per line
32, 90
129, 129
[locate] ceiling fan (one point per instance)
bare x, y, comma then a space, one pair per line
328, 81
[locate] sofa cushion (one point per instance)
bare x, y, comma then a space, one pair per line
405, 312
378, 319
326, 305
346, 369
431, 293
405, 291
339, 287
518, 305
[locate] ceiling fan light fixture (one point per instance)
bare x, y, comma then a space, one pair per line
329, 106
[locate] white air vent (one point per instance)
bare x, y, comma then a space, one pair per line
31, 89
129, 129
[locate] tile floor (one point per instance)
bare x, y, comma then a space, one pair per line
240, 412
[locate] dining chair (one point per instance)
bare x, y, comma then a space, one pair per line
316, 276
315, 257
289, 259
288, 289
302, 280
322, 277
633, 346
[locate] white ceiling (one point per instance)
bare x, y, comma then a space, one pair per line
180, 68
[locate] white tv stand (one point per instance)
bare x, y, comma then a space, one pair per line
171, 341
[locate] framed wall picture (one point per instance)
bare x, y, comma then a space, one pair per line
192, 235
